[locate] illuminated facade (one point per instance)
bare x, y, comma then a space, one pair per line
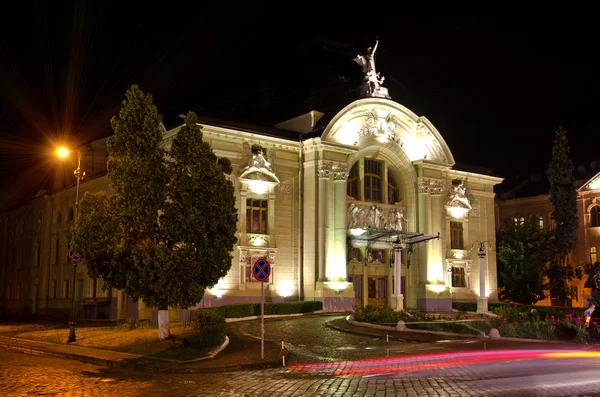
588, 233
302, 191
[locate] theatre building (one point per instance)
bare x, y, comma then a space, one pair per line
362, 207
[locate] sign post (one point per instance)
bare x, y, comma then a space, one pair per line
261, 271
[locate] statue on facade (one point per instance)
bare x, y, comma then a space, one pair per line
398, 221
458, 195
372, 85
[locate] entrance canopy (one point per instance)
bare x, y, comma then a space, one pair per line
392, 237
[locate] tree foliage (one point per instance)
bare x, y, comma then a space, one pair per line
564, 199
167, 231
523, 254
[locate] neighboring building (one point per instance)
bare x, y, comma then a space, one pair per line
526, 199
363, 207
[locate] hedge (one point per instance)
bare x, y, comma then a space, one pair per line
253, 309
543, 312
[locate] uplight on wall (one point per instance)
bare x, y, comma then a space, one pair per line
457, 212
258, 186
285, 288
357, 232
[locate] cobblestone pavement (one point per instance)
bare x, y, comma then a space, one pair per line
26, 375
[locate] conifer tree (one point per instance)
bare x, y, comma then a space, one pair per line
166, 232
564, 199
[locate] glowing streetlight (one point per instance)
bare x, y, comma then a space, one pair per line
62, 152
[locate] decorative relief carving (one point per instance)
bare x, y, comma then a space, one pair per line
271, 257
423, 186
380, 123
475, 213
436, 187
285, 189
258, 240
243, 255
375, 217
324, 170
340, 173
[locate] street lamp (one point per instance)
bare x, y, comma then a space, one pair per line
79, 175
482, 301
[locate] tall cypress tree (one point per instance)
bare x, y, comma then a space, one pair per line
564, 199
166, 233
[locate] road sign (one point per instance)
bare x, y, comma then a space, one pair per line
74, 256
261, 269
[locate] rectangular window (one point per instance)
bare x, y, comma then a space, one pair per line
66, 289
381, 287
593, 255
376, 256
458, 277
541, 222
352, 185
372, 287
456, 235
357, 283
353, 254
56, 250
256, 216
54, 288
372, 180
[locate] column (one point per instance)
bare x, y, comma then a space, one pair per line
398, 279
423, 207
336, 266
324, 171
436, 251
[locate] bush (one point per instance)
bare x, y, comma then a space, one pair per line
210, 327
131, 324
253, 309
385, 316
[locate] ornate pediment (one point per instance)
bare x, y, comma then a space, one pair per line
258, 174
458, 205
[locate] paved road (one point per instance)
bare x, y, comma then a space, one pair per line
329, 363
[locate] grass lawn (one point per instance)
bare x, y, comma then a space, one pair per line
143, 341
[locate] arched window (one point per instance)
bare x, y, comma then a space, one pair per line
541, 222
58, 217
372, 180
595, 216
593, 255
392, 189
352, 185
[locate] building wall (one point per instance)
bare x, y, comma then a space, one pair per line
588, 237
307, 234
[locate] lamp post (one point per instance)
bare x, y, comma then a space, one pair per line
79, 175
482, 301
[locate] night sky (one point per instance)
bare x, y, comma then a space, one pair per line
495, 87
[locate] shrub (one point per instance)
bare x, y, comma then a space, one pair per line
382, 316
131, 324
210, 326
253, 309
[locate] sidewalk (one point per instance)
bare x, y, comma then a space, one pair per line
240, 352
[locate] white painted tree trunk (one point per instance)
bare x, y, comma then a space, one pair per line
163, 324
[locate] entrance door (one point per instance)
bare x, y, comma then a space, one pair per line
356, 281
377, 291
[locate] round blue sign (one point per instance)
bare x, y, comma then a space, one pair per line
74, 256
261, 269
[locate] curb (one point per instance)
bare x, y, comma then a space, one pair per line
442, 333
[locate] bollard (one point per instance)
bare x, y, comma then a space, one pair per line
387, 339
484, 346
283, 353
